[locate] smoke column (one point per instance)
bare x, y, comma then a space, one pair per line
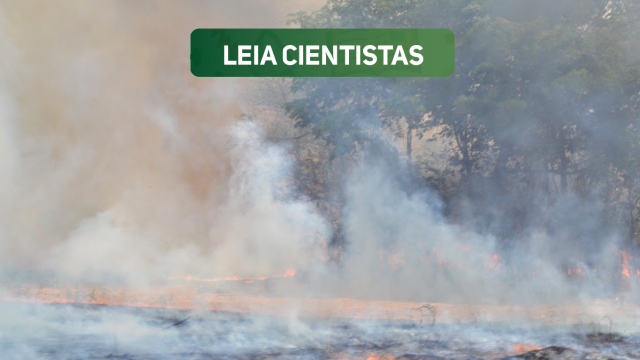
113, 158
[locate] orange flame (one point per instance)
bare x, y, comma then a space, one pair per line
625, 264
376, 357
493, 263
575, 270
522, 348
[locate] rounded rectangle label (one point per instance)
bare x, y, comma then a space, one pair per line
322, 52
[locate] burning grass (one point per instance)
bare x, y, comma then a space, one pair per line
598, 314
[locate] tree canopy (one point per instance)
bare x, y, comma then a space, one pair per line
543, 104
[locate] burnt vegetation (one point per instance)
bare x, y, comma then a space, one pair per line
219, 335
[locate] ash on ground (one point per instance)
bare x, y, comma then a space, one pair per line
40, 331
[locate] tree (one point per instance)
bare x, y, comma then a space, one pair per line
543, 104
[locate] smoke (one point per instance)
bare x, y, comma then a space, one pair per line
511, 237
116, 167
401, 246
113, 157
48, 331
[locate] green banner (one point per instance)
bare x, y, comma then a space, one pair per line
322, 52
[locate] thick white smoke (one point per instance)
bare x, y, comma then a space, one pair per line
113, 161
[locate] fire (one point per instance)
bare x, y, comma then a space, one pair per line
189, 297
287, 274
626, 258
625, 272
522, 348
575, 271
376, 357
179, 299
371, 356
493, 263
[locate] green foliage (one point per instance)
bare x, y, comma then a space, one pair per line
544, 92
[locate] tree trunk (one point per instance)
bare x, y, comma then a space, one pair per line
409, 140
564, 165
563, 174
